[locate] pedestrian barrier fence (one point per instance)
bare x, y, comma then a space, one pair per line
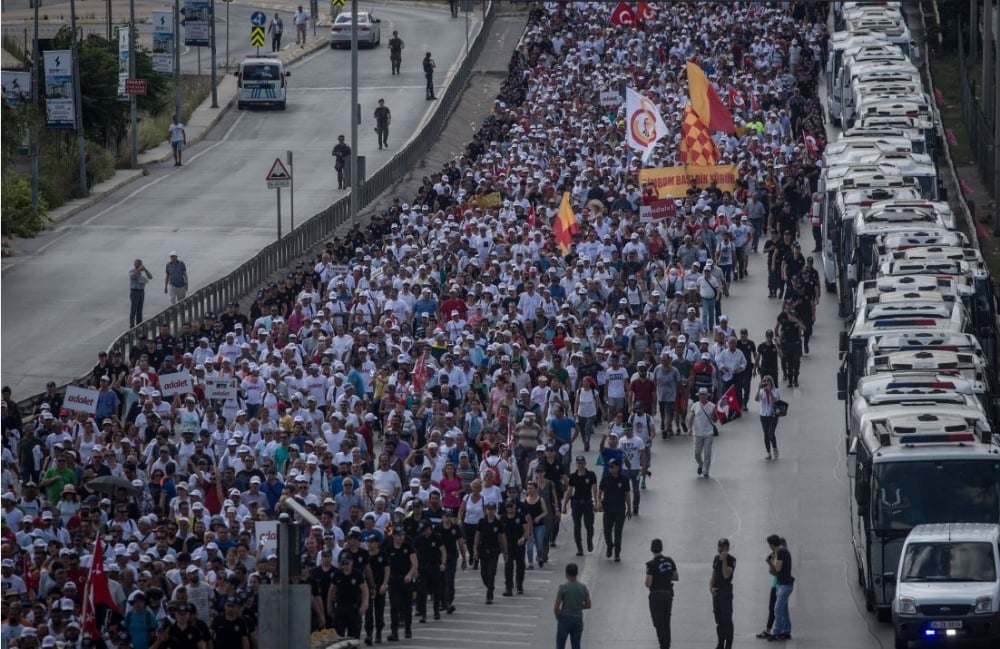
254, 272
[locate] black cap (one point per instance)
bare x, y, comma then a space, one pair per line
723, 542
581, 458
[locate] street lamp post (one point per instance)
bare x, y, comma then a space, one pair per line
36, 95
78, 103
132, 116
215, 84
355, 115
177, 61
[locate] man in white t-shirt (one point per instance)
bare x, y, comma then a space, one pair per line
616, 385
178, 139
701, 420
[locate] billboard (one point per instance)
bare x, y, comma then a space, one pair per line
163, 41
59, 107
197, 23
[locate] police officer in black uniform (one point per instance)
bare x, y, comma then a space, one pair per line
396, 46
489, 543
350, 596
377, 574
767, 356
617, 506
661, 573
721, 588
581, 494
454, 545
748, 347
790, 330
517, 529
432, 559
402, 572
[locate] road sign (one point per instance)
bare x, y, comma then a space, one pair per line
135, 86
256, 37
258, 19
338, 3
279, 175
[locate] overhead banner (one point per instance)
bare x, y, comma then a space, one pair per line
59, 107
16, 87
176, 383
221, 389
163, 41
80, 399
676, 180
197, 26
123, 45
267, 537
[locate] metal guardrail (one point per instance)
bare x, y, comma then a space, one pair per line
977, 125
254, 272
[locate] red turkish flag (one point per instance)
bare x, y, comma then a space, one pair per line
531, 217
814, 145
623, 15
728, 407
754, 102
96, 595
736, 99
646, 12
419, 377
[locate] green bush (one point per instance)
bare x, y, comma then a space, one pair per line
18, 217
100, 163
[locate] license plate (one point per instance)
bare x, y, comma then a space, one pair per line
946, 624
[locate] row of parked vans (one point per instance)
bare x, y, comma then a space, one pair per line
919, 373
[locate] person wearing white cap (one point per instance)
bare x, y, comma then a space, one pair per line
701, 421
175, 278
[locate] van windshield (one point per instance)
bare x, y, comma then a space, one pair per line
260, 73
936, 491
949, 561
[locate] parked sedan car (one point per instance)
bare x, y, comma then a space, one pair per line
369, 30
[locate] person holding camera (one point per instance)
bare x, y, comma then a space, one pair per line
137, 278
767, 397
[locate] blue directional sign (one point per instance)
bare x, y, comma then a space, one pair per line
258, 19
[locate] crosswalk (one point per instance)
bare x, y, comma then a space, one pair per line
508, 622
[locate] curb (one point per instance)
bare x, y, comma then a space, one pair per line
123, 177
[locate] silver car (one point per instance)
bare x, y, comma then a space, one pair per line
369, 30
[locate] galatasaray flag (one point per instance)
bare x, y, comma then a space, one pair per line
565, 225
644, 126
697, 145
706, 101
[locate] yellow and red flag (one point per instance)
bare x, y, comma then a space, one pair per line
705, 101
565, 225
697, 145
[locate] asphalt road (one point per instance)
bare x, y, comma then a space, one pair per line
66, 297
802, 496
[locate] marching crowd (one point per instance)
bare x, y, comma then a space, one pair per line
430, 387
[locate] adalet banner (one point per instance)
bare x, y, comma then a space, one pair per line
80, 399
221, 389
674, 181
59, 106
176, 383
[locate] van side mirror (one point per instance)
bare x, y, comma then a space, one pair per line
288, 73
845, 341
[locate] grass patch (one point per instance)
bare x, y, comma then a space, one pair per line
947, 80
153, 128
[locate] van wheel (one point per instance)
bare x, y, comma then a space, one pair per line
883, 614
281, 106
869, 600
239, 105
901, 643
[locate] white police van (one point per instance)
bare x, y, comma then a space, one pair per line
261, 81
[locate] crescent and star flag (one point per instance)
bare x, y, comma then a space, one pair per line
728, 407
646, 12
814, 145
531, 216
565, 225
622, 15
710, 109
697, 145
96, 595
736, 99
644, 125
420, 374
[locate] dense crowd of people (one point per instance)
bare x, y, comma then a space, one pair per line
430, 387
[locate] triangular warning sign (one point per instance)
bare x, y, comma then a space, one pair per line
278, 171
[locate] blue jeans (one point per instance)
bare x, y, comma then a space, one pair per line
569, 626
782, 622
708, 313
539, 534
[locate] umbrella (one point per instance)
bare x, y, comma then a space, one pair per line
109, 484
